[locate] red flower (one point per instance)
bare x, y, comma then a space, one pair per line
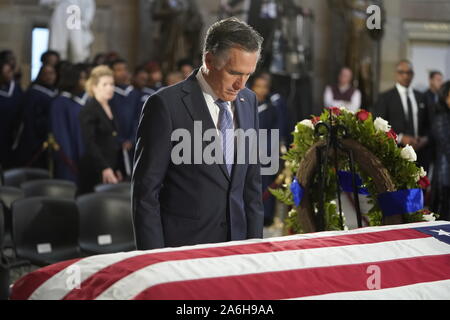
392, 134
335, 110
315, 120
424, 182
363, 115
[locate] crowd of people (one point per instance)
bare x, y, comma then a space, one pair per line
81, 119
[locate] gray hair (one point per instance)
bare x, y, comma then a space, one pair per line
231, 33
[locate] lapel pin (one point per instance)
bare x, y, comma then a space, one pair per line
242, 99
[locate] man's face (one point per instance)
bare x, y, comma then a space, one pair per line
229, 79
404, 74
141, 79
48, 76
7, 73
436, 82
121, 74
261, 88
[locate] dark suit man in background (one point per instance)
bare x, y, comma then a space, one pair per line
186, 204
431, 96
406, 112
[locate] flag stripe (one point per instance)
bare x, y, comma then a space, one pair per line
97, 283
224, 266
304, 282
436, 290
25, 286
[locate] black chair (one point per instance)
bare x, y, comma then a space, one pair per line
4, 270
49, 188
7, 196
105, 223
122, 188
15, 177
45, 230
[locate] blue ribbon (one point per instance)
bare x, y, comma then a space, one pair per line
297, 192
346, 183
401, 202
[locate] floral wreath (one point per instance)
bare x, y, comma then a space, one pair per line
375, 135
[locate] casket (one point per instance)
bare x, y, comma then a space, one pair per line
410, 261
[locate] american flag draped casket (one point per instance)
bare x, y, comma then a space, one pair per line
410, 261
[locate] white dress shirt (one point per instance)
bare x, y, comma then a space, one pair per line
210, 98
404, 92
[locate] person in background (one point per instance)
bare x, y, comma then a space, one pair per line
10, 100
431, 96
174, 78
9, 56
269, 120
50, 57
64, 123
140, 81
36, 114
406, 112
343, 94
126, 106
156, 76
99, 59
440, 132
185, 67
100, 162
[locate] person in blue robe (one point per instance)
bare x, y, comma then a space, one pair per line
65, 125
35, 119
126, 106
10, 102
268, 115
140, 80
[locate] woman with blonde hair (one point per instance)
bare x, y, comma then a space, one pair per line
101, 161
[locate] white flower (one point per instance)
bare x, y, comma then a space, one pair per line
292, 213
429, 217
422, 173
344, 109
408, 153
308, 123
381, 125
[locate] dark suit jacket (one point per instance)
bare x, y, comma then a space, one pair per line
390, 108
186, 204
101, 144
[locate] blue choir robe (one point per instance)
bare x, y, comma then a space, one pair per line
65, 126
35, 120
268, 116
10, 110
126, 106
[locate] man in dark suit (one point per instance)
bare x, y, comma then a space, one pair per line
193, 202
431, 96
405, 110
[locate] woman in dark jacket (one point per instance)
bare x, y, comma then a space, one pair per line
441, 135
101, 160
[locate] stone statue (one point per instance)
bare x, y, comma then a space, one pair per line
70, 33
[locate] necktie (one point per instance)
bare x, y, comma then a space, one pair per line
410, 125
225, 126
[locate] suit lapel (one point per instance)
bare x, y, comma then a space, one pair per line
196, 105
